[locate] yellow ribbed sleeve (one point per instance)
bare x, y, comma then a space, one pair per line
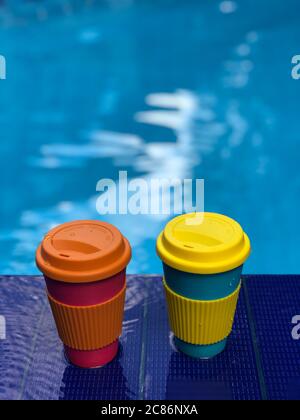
201, 322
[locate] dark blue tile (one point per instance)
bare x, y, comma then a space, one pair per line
261, 359
275, 300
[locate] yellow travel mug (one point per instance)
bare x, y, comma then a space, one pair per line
203, 256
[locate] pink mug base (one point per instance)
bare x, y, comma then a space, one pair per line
92, 358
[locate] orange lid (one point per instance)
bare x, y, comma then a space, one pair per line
83, 251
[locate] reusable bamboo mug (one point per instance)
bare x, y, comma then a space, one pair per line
84, 266
203, 256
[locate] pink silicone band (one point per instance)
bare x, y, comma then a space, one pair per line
92, 358
86, 294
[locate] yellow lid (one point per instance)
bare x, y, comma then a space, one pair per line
203, 243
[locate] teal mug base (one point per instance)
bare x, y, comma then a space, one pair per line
200, 351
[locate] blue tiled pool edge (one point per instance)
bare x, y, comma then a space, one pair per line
261, 361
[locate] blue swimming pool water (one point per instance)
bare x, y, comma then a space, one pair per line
78, 106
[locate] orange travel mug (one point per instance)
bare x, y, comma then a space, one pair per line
84, 266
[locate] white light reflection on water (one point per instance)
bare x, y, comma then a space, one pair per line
239, 68
197, 129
